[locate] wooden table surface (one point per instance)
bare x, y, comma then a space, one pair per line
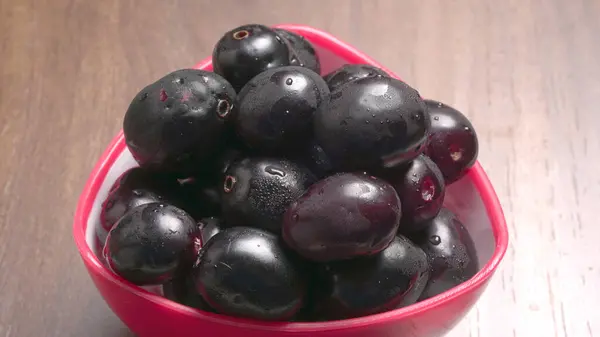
526, 72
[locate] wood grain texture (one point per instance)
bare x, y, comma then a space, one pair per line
526, 72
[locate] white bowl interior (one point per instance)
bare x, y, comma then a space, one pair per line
461, 197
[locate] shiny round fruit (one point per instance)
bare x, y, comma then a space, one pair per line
341, 217
374, 123
245, 272
349, 73
368, 285
151, 243
450, 251
209, 227
133, 188
274, 111
177, 123
302, 52
453, 143
421, 188
118, 203
247, 51
257, 191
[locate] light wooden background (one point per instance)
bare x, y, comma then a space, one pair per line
526, 72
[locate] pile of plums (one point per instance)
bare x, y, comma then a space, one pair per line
269, 192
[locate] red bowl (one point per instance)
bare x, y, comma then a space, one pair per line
149, 315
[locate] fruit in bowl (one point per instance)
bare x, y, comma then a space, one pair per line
313, 234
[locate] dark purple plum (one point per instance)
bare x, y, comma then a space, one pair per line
421, 188
118, 203
349, 73
152, 243
453, 143
369, 285
182, 289
177, 124
274, 111
374, 123
341, 217
257, 191
135, 187
209, 227
450, 251
302, 52
246, 272
247, 51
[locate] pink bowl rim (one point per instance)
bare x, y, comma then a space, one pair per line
476, 174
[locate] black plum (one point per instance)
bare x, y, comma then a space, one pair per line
245, 272
209, 227
453, 143
257, 191
421, 188
450, 251
349, 73
368, 285
341, 217
374, 123
177, 123
274, 111
302, 52
248, 50
133, 188
151, 243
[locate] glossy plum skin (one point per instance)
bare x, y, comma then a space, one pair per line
450, 251
453, 143
209, 227
133, 188
422, 190
257, 191
245, 272
375, 123
349, 73
152, 243
302, 52
368, 285
341, 217
246, 51
274, 111
177, 123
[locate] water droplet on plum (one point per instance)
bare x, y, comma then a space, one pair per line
275, 171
